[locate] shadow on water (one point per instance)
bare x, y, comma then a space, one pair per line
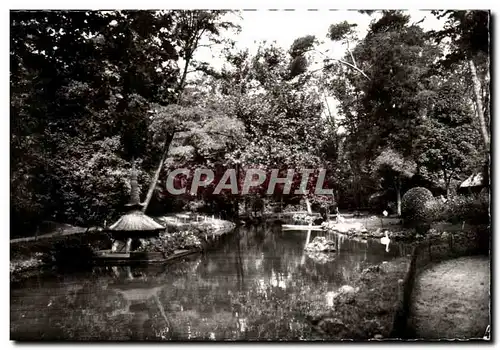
249, 287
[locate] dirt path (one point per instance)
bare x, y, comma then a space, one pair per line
59, 233
452, 300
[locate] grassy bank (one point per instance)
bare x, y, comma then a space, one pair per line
452, 300
439, 248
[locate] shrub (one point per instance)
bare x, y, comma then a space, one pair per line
434, 210
195, 205
471, 209
415, 206
303, 219
167, 243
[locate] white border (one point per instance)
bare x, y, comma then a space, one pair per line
148, 4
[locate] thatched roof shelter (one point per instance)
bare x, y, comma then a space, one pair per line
473, 184
475, 180
135, 223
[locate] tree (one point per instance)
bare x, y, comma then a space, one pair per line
384, 111
449, 146
206, 132
190, 28
66, 95
344, 31
78, 79
195, 29
284, 121
470, 42
392, 167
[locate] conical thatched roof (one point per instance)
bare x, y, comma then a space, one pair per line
136, 221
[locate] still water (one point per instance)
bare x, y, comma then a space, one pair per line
251, 286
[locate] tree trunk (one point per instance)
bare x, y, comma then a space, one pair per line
157, 173
398, 195
308, 205
236, 200
447, 182
156, 176
180, 88
479, 105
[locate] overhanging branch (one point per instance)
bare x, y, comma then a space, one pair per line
345, 63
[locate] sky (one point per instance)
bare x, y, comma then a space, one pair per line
283, 27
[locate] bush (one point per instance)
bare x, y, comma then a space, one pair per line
167, 243
471, 209
457, 209
195, 206
415, 206
303, 219
434, 210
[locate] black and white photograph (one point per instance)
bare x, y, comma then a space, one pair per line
250, 175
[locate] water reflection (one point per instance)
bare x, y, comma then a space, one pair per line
245, 289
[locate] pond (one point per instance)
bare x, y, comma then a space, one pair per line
254, 285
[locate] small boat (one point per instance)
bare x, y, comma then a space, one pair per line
302, 227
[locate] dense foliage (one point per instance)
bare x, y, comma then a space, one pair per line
94, 92
414, 205
468, 209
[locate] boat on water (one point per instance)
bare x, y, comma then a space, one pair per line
302, 227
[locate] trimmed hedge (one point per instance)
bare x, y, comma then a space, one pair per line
415, 207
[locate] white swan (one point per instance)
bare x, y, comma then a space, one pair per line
385, 240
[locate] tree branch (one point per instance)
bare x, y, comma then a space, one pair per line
345, 63
156, 175
350, 52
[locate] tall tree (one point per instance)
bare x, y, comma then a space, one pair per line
384, 111
79, 78
449, 146
392, 168
470, 42
191, 27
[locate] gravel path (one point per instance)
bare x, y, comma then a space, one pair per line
452, 300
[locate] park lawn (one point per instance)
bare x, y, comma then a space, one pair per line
452, 300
